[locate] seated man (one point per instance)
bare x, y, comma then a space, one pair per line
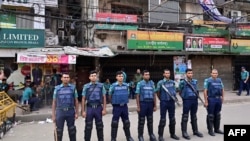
28, 97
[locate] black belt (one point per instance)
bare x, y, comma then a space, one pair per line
119, 105
147, 100
214, 97
65, 108
93, 105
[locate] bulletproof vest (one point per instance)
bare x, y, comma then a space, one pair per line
214, 87
94, 93
170, 85
65, 96
147, 90
187, 91
120, 95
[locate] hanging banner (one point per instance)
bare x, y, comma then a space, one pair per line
150, 40
206, 44
111, 17
211, 9
49, 59
240, 46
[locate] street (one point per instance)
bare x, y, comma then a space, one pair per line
232, 113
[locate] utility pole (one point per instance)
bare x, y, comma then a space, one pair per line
83, 17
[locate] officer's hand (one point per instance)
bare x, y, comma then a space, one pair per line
222, 99
53, 118
138, 109
76, 116
206, 104
104, 112
155, 108
83, 114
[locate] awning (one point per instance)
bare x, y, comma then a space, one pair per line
88, 51
65, 55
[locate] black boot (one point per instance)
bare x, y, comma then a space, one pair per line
99, 129
150, 128
58, 135
210, 123
217, 124
195, 126
161, 129
184, 121
141, 123
114, 128
172, 129
72, 133
126, 128
88, 130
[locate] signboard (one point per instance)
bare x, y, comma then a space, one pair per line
243, 30
210, 31
111, 17
240, 46
7, 20
150, 40
116, 27
21, 38
206, 44
48, 59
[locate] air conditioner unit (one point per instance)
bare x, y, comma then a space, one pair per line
61, 34
235, 14
60, 24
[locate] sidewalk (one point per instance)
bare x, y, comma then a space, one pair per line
45, 112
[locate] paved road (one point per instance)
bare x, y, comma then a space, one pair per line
233, 113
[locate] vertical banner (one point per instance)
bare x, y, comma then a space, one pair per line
180, 66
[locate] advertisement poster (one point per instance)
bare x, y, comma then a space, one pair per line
180, 66
206, 44
193, 43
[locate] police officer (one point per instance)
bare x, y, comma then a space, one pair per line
146, 104
214, 96
65, 107
119, 92
166, 104
190, 104
244, 81
94, 94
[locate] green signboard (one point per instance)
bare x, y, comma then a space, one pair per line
7, 21
242, 33
116, 27
155, 45
21, 38
210, 31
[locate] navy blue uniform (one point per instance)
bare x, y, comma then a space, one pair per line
146, 92
214, 94
167, 104
190, 104
93, 94
119, 99
65, 97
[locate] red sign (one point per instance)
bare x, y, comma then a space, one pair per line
111, 17
50, 59
215, 41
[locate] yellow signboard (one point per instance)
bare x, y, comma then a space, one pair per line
154, 36
241, 46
